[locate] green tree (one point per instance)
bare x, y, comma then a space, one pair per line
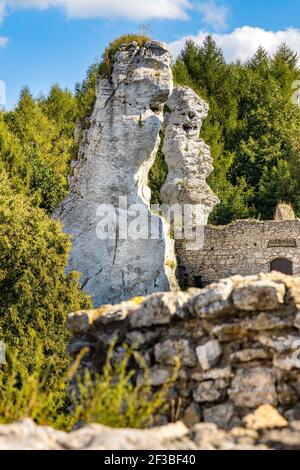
43, 134
36, 294
252, 126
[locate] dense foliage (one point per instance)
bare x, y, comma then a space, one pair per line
113, 398
36, 294
252, 129
37, 144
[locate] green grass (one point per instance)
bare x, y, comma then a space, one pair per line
116, 397
108, 58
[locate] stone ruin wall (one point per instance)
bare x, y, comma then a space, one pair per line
237, 341
245, 247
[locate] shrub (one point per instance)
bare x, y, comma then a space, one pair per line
106, 66
86, 91
36, 294
86, 96
158, 174
27, 393
116, 397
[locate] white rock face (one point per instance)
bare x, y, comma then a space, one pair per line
114, 162
187, 156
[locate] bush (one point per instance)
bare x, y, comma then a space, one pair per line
108, 58
115, 398
158, 174
27, 393
36, 294
118, 397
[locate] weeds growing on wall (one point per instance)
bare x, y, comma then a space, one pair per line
118, 397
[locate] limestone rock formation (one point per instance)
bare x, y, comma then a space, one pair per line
114, 161
284, 212
187, 156
266, 429
237, 342
25, 435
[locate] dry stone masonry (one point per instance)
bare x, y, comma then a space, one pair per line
237, 342
244, 247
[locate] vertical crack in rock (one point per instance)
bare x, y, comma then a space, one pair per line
114, 161
188, 159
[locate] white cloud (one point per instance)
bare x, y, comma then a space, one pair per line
243, 42
214, 15
3, 41
131, 9
2, 11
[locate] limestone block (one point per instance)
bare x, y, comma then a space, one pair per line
251, 388
265, 417
221, 415
166, 352
210, 391
209, 354
159, 309
259, 295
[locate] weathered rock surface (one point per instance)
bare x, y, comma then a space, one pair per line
266, 430
234, 356
253, 387
120, 247
188, 157
259, 295
284, 212
27, 436
114, 161
209, 354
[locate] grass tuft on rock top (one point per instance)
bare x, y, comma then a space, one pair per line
86, 91
108, 58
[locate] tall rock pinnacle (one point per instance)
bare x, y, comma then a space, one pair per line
109, 184
114, 161
187, 156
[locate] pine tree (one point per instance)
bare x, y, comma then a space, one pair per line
252, 126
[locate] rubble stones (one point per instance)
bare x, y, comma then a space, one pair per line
26, 435
209, 354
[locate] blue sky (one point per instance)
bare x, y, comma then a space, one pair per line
48, 41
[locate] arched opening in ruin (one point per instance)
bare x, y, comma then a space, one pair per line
198, 282
282, 265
